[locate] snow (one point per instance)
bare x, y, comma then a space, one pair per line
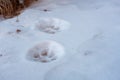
91, 42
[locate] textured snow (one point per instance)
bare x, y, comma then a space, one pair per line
91, 43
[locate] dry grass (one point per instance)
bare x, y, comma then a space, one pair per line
11, 8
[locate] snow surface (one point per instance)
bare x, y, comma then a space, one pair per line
92, 43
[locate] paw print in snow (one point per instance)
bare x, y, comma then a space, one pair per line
52, 25
46, 51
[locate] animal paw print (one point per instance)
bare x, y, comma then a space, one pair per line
51, 25
52, 29
46, 51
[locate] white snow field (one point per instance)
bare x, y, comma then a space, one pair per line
91, 43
